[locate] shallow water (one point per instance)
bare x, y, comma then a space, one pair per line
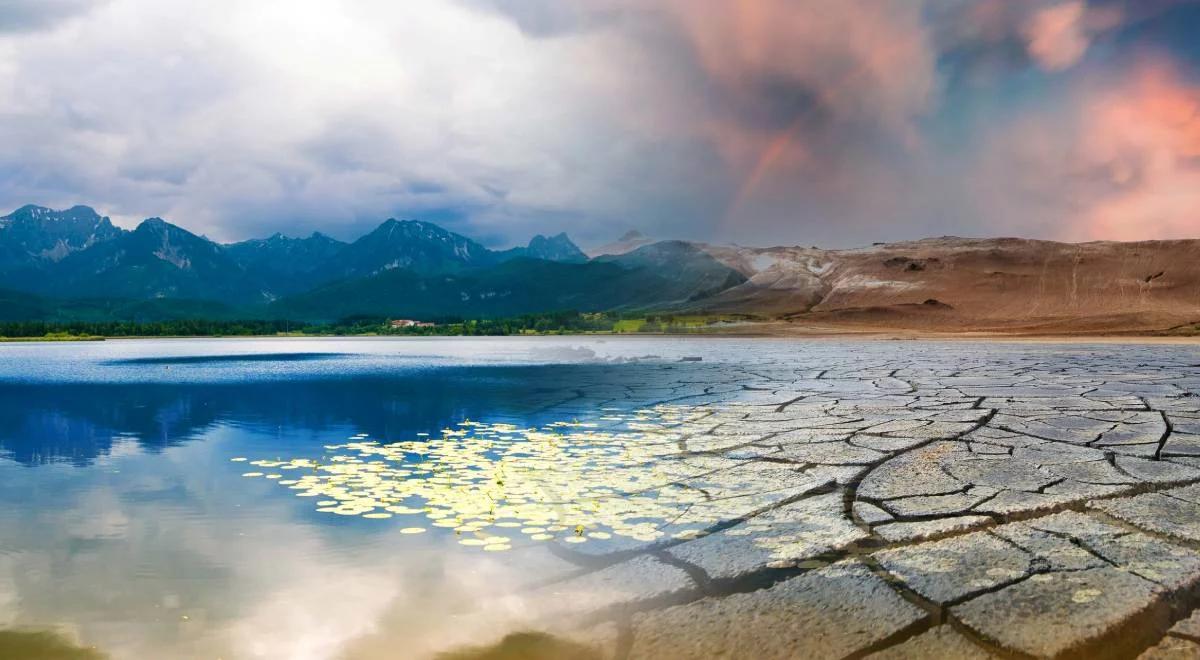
126, 524
262, 498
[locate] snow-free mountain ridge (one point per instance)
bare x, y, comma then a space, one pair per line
419, 269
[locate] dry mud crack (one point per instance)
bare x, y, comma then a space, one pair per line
973, 502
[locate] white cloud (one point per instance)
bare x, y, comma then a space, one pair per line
230, 116
757, 122
28, 15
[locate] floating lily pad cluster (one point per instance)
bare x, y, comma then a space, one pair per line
497, 483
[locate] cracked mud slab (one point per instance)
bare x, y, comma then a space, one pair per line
1157, 512
1172, 648
954, 569
780, 538
1051, 614
967, 501
641, 581
940, 642
828, 613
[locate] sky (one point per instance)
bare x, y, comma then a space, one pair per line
757, 122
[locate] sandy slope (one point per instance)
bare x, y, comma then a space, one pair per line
1003, 284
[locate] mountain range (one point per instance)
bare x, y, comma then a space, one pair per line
75, 264
72, 263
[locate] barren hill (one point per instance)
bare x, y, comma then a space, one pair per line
52, 260
1003, 284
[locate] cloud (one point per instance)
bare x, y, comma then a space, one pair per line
1143, 139
1117, 158
314, 115
995, 36
29, 15
1058, 35
767, 121
799, 100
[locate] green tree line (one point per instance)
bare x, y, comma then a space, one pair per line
566, 322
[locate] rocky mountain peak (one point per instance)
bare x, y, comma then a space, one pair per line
555, 248
34, 234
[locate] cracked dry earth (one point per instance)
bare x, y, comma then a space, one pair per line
922, 501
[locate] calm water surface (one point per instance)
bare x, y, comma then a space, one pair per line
126, 525
129, 521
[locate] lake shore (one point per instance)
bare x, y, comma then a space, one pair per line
745, 330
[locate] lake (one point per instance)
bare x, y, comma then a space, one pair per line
372, 498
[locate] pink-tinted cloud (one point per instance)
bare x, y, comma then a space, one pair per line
796, 96
1052, 34
817, 111
1058, 35
834, 122
744, 73
1145, 137
1112, 158
1117, 159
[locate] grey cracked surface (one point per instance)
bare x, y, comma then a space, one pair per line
828, 612
940, 642
966, 500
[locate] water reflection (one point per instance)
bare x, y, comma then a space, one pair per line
126, 525
229, 359
76, 423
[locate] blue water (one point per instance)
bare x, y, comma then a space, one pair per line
125, 525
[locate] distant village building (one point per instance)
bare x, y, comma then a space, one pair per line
409, 323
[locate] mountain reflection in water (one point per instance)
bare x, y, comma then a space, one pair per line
76, 423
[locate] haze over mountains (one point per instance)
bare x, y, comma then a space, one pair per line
75, 264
